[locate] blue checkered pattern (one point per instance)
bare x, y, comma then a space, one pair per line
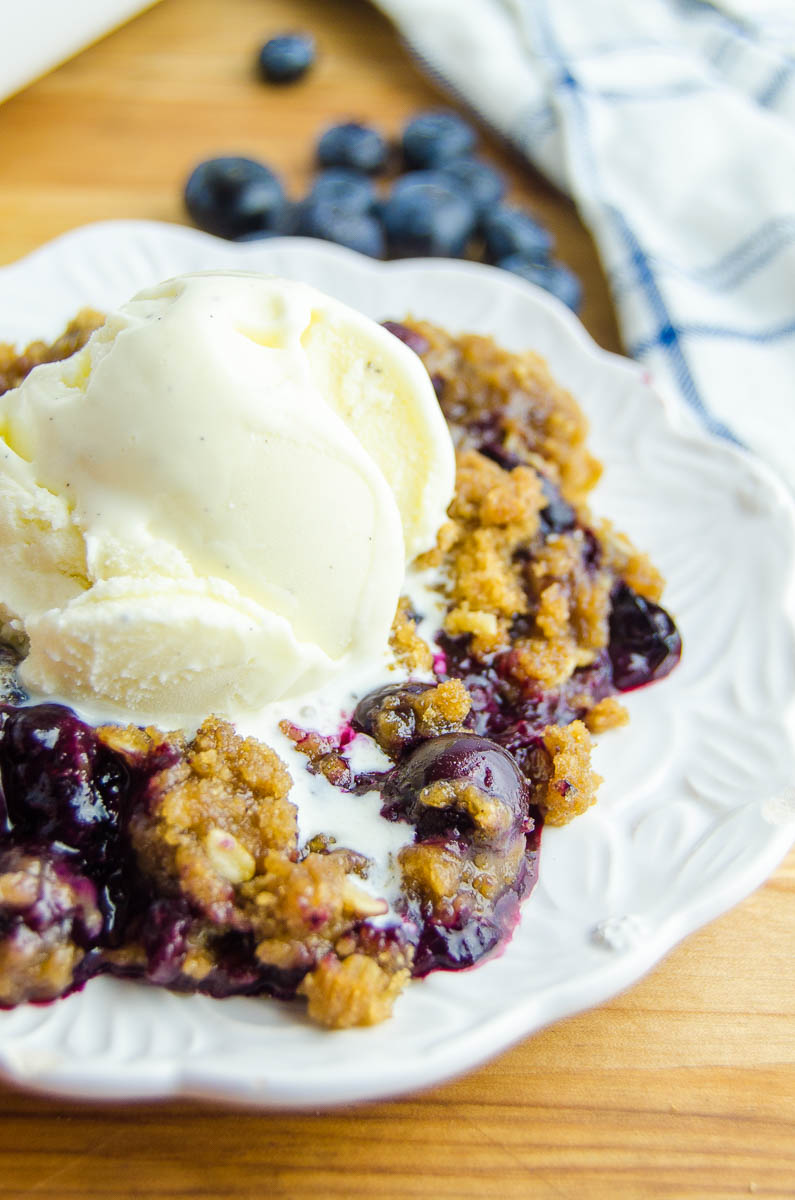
672, 124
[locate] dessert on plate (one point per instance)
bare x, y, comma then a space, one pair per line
306, 627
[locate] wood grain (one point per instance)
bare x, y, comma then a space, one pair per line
682, 1088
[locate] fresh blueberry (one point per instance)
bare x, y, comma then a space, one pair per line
353, 145
553, 277
432, 138
508, 231
644, 642
286, 57
260, 235
335, 223
423, 218
348, 188
484, 185
233, 197
430, 177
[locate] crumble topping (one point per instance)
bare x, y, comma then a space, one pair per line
15, 365
184, 867
399, 716
409, 649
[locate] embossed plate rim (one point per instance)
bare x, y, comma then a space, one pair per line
267, 1055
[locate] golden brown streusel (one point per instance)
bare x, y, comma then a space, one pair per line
609, 713
323, 753
570, 787
40, 964
219, 829
409, 649
629, 563
540, 419
213, 818
217, 869
499, 571
494, 513
423, 714
351, 991
452, 881
16, 364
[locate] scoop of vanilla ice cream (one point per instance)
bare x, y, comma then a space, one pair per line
212, 504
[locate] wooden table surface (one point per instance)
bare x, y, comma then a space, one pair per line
682, 1087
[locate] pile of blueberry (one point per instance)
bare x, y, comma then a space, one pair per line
445, 202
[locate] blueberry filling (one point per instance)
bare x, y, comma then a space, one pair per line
71, 882
511, 713
461, 757
463, 943
82, 892
465, 797
68, 795
558, 516
644, 642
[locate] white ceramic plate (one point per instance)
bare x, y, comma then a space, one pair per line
697, 807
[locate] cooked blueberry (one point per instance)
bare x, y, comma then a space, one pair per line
432, 138
592, 550
48, 917
484, 185
286, 57
343, 186
68, 795
415, 341
390, 715
371, 704
644, 642
55, 892
500, 455
558, 516
428, 218
353, 145
443, 949
164, 936
461, 756
509, 231
333, 222
553, 277
234, 197
60, 784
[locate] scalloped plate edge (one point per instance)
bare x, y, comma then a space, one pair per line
167, 1077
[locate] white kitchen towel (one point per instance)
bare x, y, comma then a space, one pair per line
672, 124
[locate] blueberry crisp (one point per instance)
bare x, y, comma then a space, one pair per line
176, 857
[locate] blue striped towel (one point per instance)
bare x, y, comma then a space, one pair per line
672, 124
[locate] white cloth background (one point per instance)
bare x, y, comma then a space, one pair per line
672, 124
